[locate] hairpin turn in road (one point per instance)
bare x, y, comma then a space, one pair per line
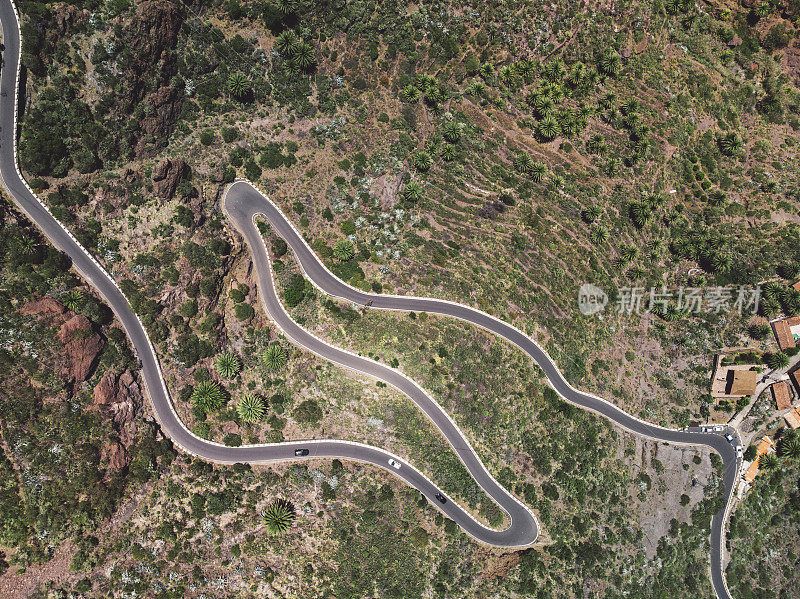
242, 203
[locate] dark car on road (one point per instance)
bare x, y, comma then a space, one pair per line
441, 498
301, 452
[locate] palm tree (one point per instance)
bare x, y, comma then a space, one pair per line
238, 85
285, 6
250, 408
598, 234
628, 253
227, 365
548, 129
343, 250
286, 43
208, 396
777, 360
72, 300
596, 144
609, 63
304, 58
412, 192
422, 161
410, 93
538, 172
279, 516
447, 152
451, 132
274, 358
790, 447
768, 461
729, 144
591, 214
522, 162
554, 70
640, 214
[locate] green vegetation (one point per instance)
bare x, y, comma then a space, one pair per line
279, 517
227, 365
250, 408
274, 358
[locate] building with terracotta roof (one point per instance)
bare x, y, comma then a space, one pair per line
782, 394
764, 447
792, 419
741, 383
733, 381
787, 331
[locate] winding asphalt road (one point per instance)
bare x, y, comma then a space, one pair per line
242, 203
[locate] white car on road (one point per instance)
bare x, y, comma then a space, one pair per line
394, 464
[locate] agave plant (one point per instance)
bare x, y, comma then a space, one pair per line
72, 299
451, 132
238, 85
422, 161
343, 250
279, 516
208, 396
548, 129
538, 171
447, 153
304, 57
227, 365
410, 93
250, 408
274, 358
287, 42
412, 192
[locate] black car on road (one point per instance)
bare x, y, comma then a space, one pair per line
300, 452
441, 498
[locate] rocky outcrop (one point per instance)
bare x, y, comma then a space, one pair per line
167, 103
151, 36
47, 306
81, 346
119, 398
167, 175
115, 455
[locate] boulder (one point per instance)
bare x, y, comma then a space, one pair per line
105, 391
167, 175
47, 306
81, 345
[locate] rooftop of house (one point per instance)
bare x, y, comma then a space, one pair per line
782, 394
741, 382
792, 419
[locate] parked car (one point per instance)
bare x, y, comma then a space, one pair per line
729, 438
394, 464
739, 451
441, 498
301, 452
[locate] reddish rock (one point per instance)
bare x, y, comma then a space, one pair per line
47, 306
106, 390
115, 455
81, 345
167, 103
119, 398
167, 175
